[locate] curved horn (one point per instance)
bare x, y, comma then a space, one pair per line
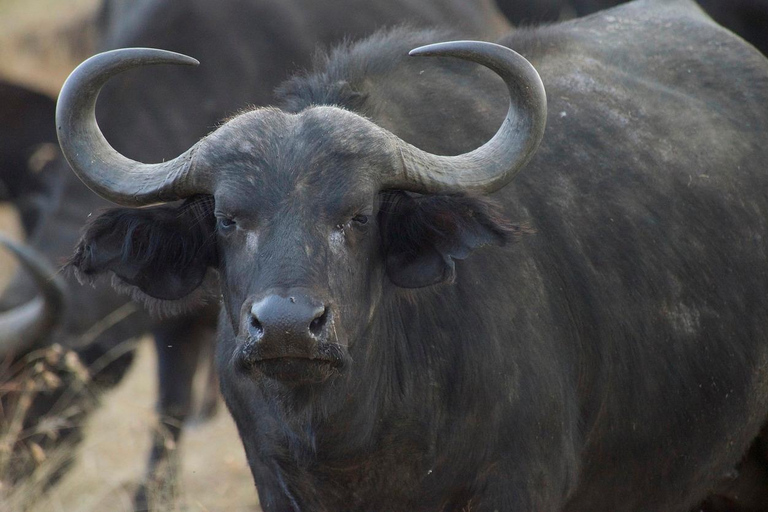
494, 164
96, 163
27, 324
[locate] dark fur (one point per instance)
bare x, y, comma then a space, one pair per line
422, 235
164, 250
747, 18
338, 75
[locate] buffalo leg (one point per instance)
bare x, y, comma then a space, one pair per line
209, 400
179, 343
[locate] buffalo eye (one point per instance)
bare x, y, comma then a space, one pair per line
358, 222
225, 224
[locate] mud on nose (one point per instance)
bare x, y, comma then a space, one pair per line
293, 316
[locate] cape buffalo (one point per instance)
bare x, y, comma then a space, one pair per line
250, 46
376, 357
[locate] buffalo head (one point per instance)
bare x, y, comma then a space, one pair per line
307, 217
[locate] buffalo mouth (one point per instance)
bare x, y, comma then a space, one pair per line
298, 370
327, 360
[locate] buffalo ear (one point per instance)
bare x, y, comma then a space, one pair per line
422, 235
164, 251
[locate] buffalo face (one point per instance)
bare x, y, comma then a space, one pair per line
298, 238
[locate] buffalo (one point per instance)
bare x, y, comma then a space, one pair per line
257, 44
410, 322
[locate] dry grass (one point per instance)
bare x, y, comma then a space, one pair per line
111, 460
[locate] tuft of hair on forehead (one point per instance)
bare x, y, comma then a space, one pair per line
338, 77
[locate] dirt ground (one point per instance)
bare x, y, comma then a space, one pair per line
111, 460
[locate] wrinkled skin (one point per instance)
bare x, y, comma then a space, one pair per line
153, 115
613, 360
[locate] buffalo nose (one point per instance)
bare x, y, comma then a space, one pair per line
293, 316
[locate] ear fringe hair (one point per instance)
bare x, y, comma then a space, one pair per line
207, 293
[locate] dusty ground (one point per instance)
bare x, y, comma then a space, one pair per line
215, 474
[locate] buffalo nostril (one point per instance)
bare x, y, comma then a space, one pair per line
317, 325
257, 330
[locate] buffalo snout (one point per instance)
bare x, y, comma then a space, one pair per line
296, 317
290, 337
